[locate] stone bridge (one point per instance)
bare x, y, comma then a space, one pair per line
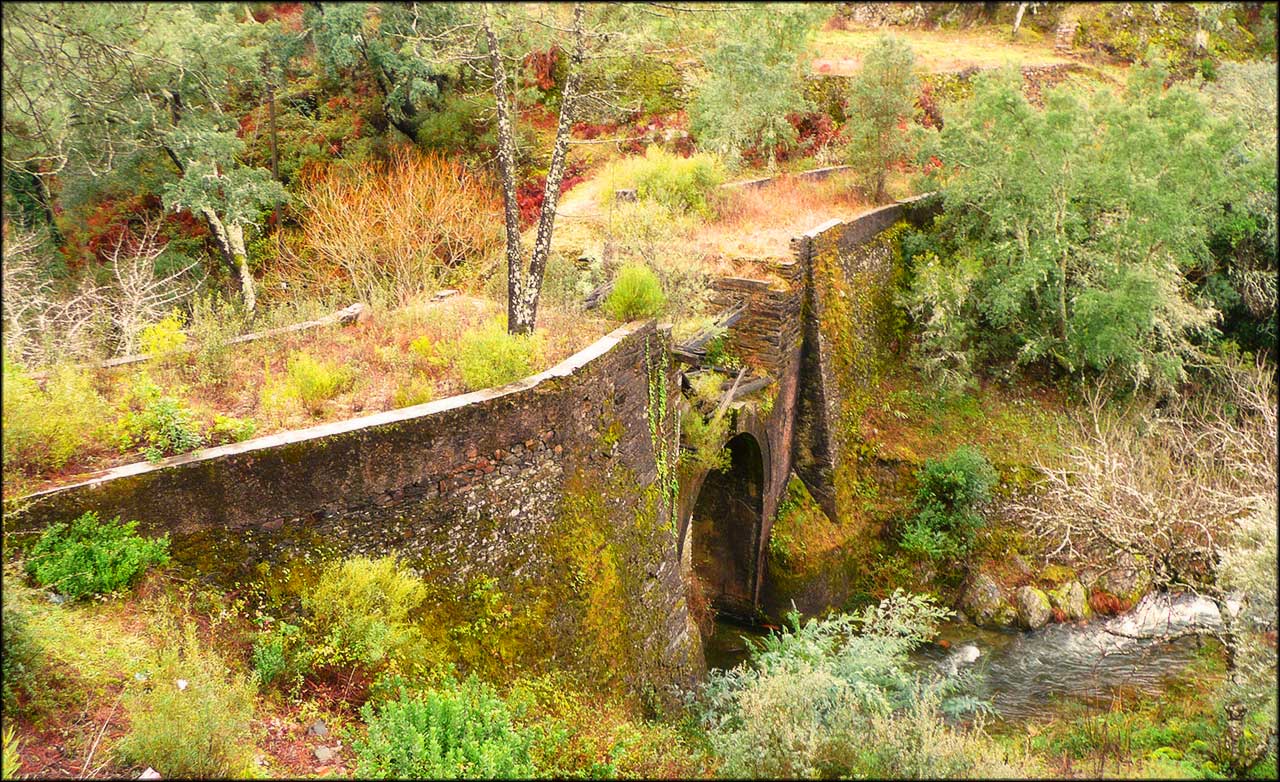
812, 338
565, 486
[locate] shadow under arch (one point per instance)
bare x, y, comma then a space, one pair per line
725, 526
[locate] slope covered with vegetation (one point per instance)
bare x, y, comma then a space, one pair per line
1081, 407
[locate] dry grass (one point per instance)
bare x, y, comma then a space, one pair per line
839, 52
398, 228
760, 222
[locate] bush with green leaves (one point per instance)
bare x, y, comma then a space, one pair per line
229, 429
489, 356
91, 557
1242, 279
12, 760
682, 185
315, 382
159, 424
754, 79
163, 337
882, 98
949, 492
44, 428
457, 730
189, 715
362, 612
636, 294
838, 698
279, 655
1076, 235
21, 648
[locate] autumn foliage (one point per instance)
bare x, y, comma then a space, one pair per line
397, 227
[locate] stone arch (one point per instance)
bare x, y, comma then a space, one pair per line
725, 526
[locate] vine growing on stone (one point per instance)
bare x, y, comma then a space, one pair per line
665, 453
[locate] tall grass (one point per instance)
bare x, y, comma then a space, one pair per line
396, 228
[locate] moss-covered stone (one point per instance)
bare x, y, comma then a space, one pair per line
1034, 609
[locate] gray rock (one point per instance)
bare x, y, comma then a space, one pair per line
325, 754
1128, 578
1021, 566
984, 603
1071, 600
1033, 608
318, 728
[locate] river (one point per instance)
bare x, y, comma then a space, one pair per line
1027, 675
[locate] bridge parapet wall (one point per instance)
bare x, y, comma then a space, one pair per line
534, 483
849, 332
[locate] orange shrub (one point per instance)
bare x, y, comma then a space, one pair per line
398, 228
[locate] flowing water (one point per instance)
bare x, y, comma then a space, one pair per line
1025, 675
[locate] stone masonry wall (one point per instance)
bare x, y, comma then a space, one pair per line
848, 325
506, 482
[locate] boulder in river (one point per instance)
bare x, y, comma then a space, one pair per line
984, 603
1129, 579
1034, 610
1071, 600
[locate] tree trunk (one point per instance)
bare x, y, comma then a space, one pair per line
1017, 20
555, 175
507, 173
275, 155
230, 238
524, 288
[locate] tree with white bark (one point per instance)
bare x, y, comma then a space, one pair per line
493, 43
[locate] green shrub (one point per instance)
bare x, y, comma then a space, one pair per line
415, 391
839, 698
706, 438
278, 655
212, 326
682, 185
315, 382
456, 731
43, 429
429, 352
12, 761
489, 356
159, 424
163, 337
360, 611
89, 557
718, 354
227, 429
20, 651
189, 716
949, 491
636, 294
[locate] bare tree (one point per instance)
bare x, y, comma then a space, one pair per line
40, 326
1180, 487
137, 296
